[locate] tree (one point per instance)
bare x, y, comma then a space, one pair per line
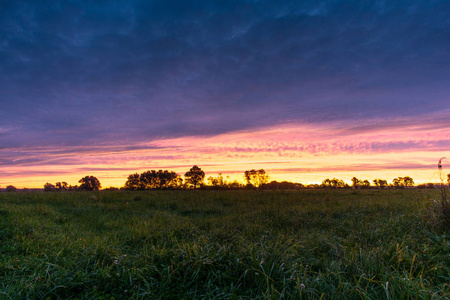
235, 185
195, 176
89, 183
73, 188
408, 181
152, 179
380, 183
355, 182
337, 183
256, 177
403, 182
148, 180
326, 183
168, 179
62, 186
11, 188
448, 178
48, 187
358, 183
133, 182
333, 183
284, 185
213, 181
217, 182
365, 184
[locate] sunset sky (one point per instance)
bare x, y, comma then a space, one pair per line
307, 90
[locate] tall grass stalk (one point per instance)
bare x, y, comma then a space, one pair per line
444, 210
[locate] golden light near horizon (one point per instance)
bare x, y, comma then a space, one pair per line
297, 153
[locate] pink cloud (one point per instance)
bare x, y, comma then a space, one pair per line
289, 150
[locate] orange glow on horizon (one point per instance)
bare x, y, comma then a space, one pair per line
298, 153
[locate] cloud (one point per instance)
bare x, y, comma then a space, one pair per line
332, 147
79, 72
355, 168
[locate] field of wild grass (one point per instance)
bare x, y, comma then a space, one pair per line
308, 244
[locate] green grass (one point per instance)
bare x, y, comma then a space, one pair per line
308, 244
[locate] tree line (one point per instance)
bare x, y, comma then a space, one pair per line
87, 183
399, 182
194, 178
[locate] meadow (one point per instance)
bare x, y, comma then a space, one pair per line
306, 244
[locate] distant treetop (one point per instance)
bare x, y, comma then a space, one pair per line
195, 176
256, 177
89, 183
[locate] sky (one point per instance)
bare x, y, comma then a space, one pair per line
307, 90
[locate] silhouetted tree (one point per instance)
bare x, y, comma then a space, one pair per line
213, 181
59, 186
152, 179
89, 183
396, 182
11, 188
62, 186
73, 187
235, 185
256, 177
195, 176
408, 181
133, 182
48, 187
148, 180
403, 182
358, 183
380, 183
355, 182
333, 183
284, 185
169, 179
326, 183
448, 178
217, 182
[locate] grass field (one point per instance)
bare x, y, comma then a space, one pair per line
307, 244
